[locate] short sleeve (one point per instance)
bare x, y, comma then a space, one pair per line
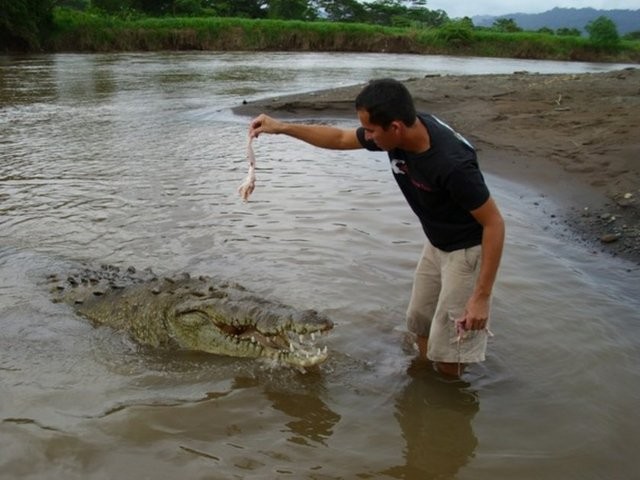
467, 186
368, 144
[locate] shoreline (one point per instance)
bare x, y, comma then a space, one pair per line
572, 137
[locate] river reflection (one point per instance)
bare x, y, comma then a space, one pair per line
435, 416
311, 419
134, 159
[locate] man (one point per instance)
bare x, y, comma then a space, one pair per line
437, 171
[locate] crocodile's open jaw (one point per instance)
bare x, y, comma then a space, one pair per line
289, 340
199, 314
283, 346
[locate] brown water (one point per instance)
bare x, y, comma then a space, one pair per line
135, 160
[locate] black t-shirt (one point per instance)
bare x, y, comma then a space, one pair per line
442, 185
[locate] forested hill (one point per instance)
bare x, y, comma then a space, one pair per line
626, 20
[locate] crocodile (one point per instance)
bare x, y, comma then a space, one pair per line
193, 313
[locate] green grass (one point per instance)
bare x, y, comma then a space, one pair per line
78, 31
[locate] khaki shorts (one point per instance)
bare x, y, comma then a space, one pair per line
442, 286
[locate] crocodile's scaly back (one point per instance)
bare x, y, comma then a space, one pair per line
194, 313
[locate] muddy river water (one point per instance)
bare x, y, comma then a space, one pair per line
134, 159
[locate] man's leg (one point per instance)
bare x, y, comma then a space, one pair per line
424, 298
459, 272
422, 342
450, 369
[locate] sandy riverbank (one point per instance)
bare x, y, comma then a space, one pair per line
575, 138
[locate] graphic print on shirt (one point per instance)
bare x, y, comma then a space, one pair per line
400, 167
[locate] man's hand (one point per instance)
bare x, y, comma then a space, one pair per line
264, 124
476, 314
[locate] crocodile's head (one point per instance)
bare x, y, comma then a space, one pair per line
195, 314
250, 327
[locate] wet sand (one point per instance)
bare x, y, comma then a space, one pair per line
573, 138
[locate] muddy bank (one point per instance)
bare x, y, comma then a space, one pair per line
574, 138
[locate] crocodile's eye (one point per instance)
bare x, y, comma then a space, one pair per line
193, 319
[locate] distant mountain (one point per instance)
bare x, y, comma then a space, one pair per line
626, 20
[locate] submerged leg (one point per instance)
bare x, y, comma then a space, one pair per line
422, 342
450, 369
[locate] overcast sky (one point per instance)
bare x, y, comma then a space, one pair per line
459, 8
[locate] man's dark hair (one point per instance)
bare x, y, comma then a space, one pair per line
387, 100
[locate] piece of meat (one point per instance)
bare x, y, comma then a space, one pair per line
249, 184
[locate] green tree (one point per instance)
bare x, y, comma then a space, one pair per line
239, 8
603, 32
113, 6
292, 10
467, 22
568, 32
187, 7
151, 7
546, 30
429, 18
457, 32
343, 10
24, 24
632, 35
507, 25
73, 4
383, 12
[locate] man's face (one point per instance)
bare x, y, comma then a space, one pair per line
386, 139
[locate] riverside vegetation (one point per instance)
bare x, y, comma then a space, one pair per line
91, 31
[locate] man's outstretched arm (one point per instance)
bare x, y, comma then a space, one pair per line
323, 136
